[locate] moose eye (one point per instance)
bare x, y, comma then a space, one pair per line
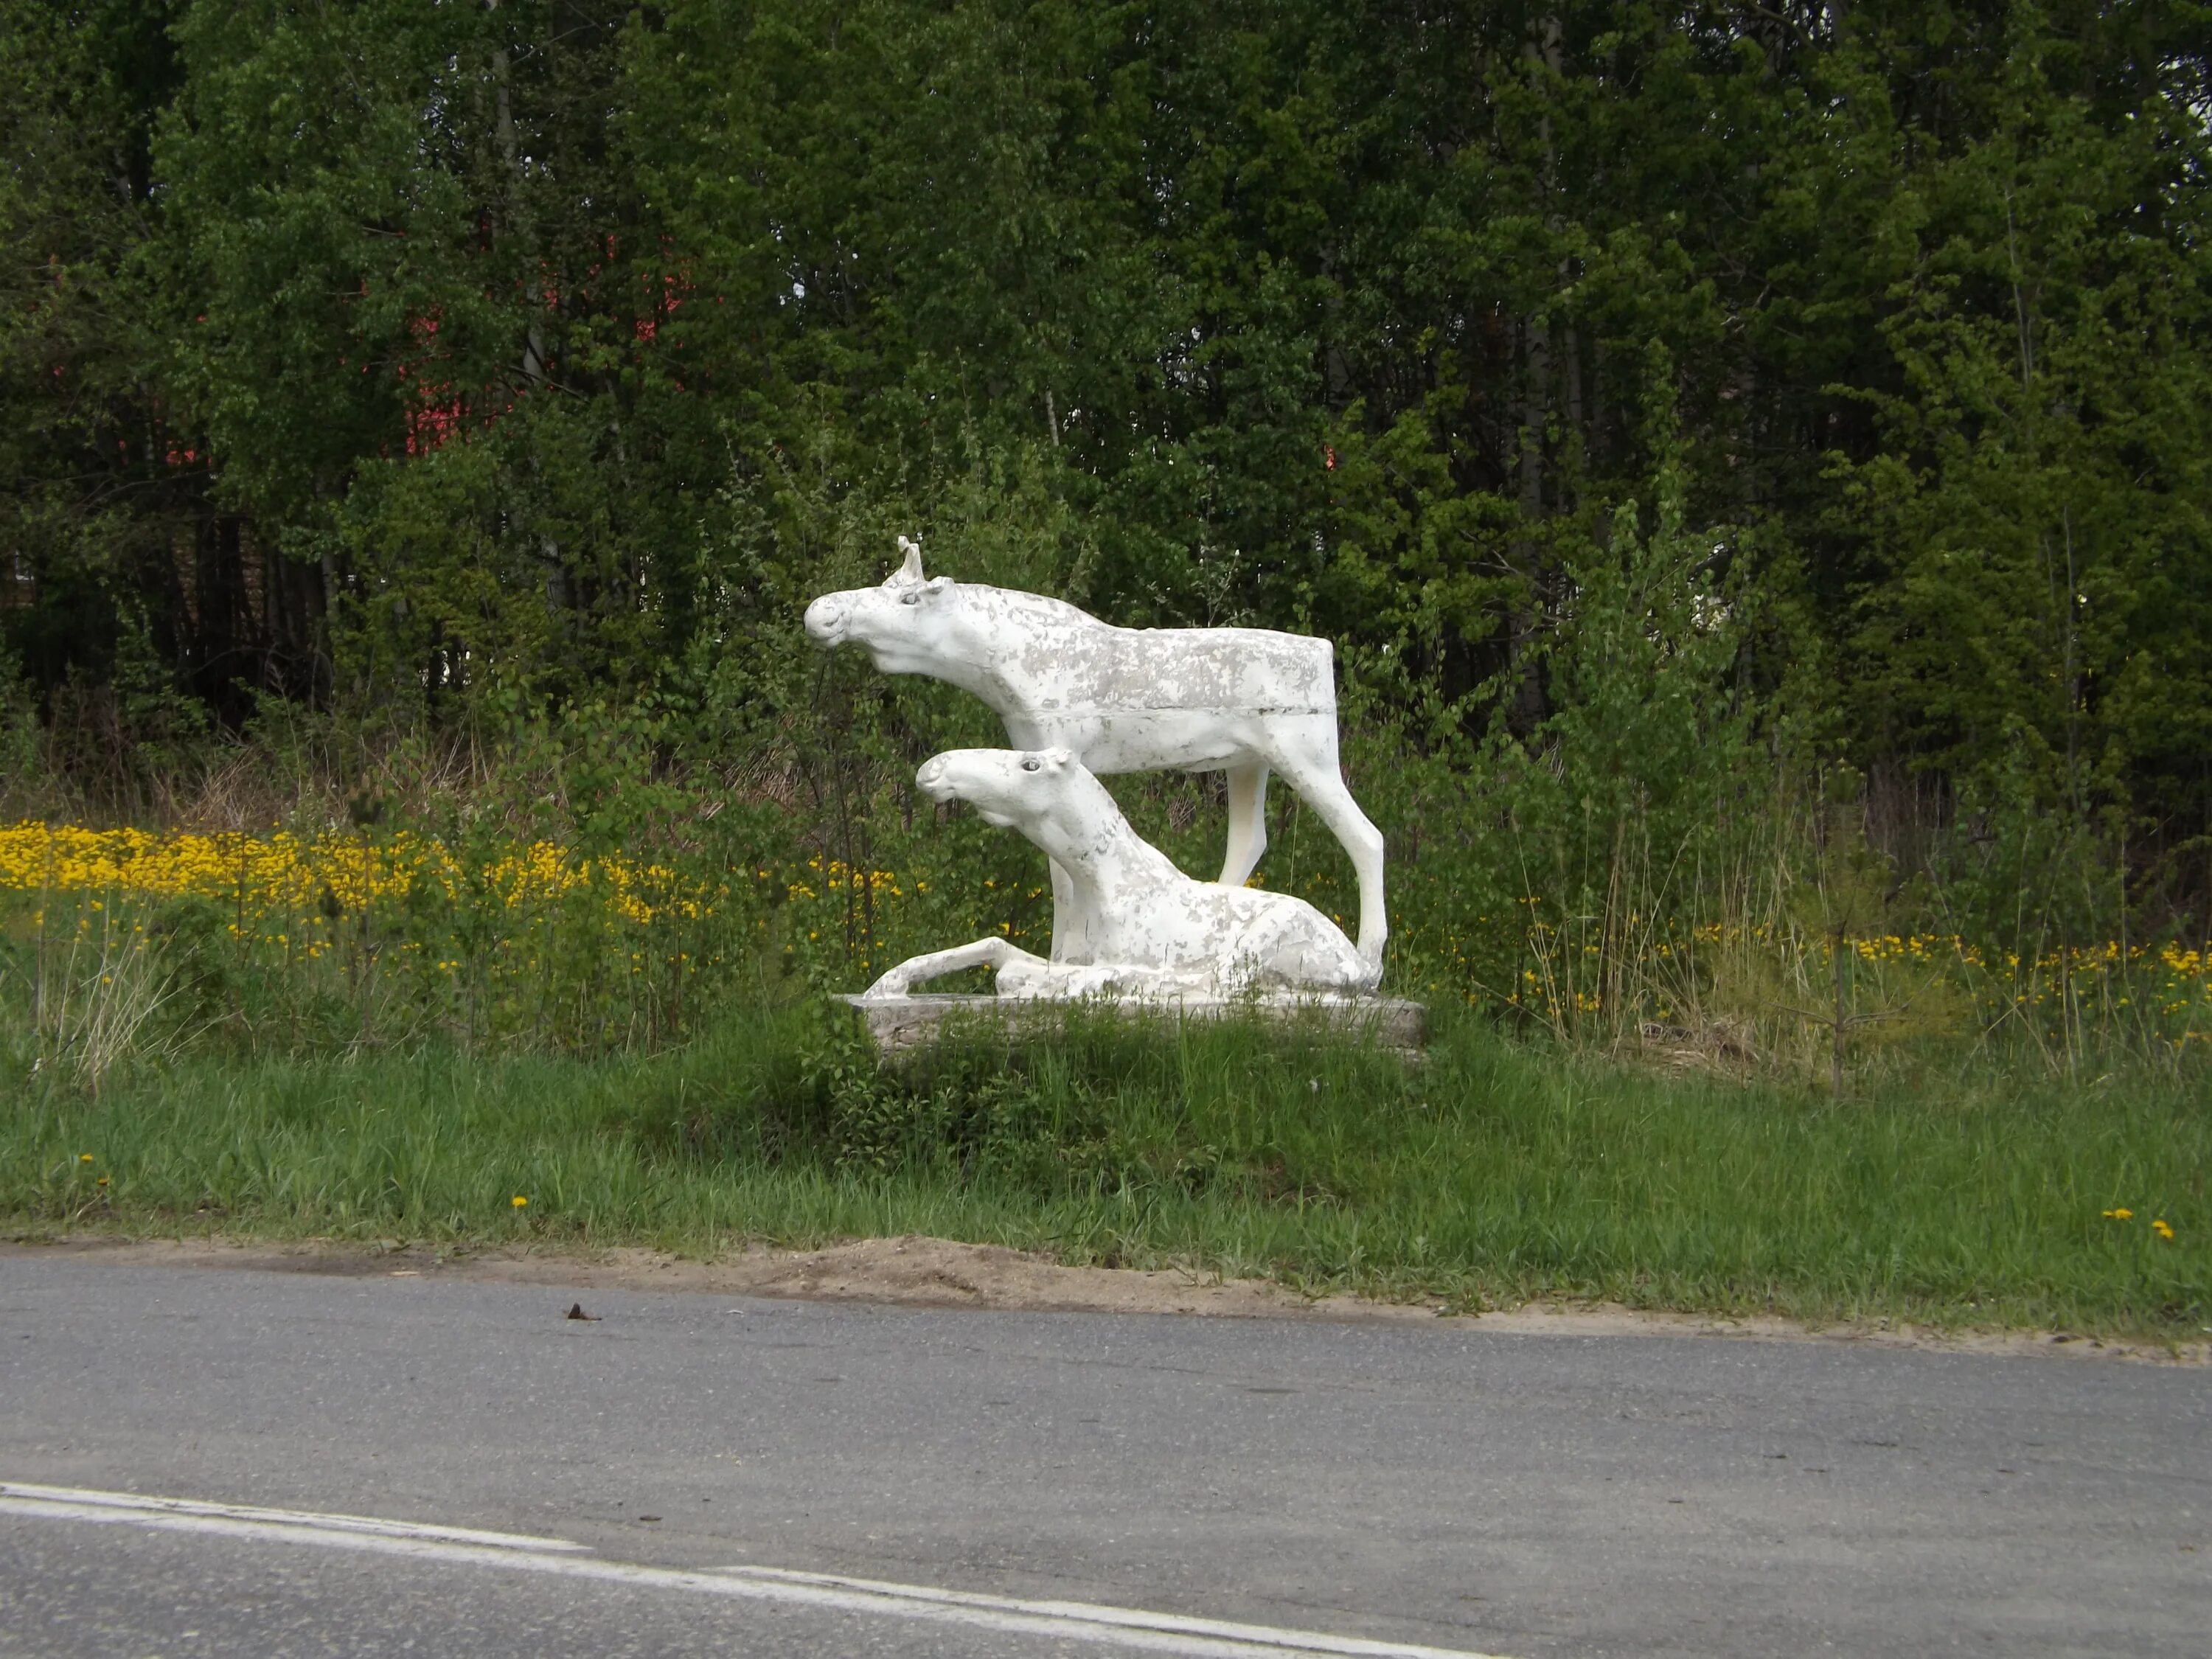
912, 597
1030, 766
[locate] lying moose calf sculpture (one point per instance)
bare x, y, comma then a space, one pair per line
1241, 700
1128, 921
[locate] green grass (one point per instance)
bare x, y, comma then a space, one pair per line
1496, 1172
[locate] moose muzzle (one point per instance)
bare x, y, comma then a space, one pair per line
825, 619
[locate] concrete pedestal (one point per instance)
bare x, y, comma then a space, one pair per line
903, 1024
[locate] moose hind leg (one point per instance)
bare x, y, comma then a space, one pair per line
1248, 823
1320, 785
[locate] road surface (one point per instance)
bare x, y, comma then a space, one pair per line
693, 1474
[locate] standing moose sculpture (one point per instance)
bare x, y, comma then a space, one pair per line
1242, 701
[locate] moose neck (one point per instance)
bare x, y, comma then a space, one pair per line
1013, 645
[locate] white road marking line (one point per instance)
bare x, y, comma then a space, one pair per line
1124, 1627
1268, 1636
362, 1523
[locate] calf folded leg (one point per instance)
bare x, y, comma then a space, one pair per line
993, 953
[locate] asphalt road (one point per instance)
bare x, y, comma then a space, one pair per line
1494, 1493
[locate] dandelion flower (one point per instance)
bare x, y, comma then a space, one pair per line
2161, 1229
519, 1200
84, 1158
2121, 1215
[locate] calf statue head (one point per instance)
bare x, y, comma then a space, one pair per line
903, 626
1014, 788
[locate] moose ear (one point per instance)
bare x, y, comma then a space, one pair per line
911, 570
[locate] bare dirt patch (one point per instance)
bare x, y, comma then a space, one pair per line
941, 1273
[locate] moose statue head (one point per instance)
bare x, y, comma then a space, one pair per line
900, 625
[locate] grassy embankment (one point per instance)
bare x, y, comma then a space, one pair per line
395, 1034
1495, 1172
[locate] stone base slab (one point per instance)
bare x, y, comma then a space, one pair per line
903, 1025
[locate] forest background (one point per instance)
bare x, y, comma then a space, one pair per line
1752, 460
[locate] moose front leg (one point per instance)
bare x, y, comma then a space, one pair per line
1063, 931
1248, 823
992, 953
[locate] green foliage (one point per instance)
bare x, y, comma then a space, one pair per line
2032, 524
1750, 458
1664, 410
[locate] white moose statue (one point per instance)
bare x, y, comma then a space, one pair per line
1242, 701
1130, 923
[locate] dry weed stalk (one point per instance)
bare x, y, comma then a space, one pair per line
94, 1004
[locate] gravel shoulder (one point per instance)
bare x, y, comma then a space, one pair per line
921, 1272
